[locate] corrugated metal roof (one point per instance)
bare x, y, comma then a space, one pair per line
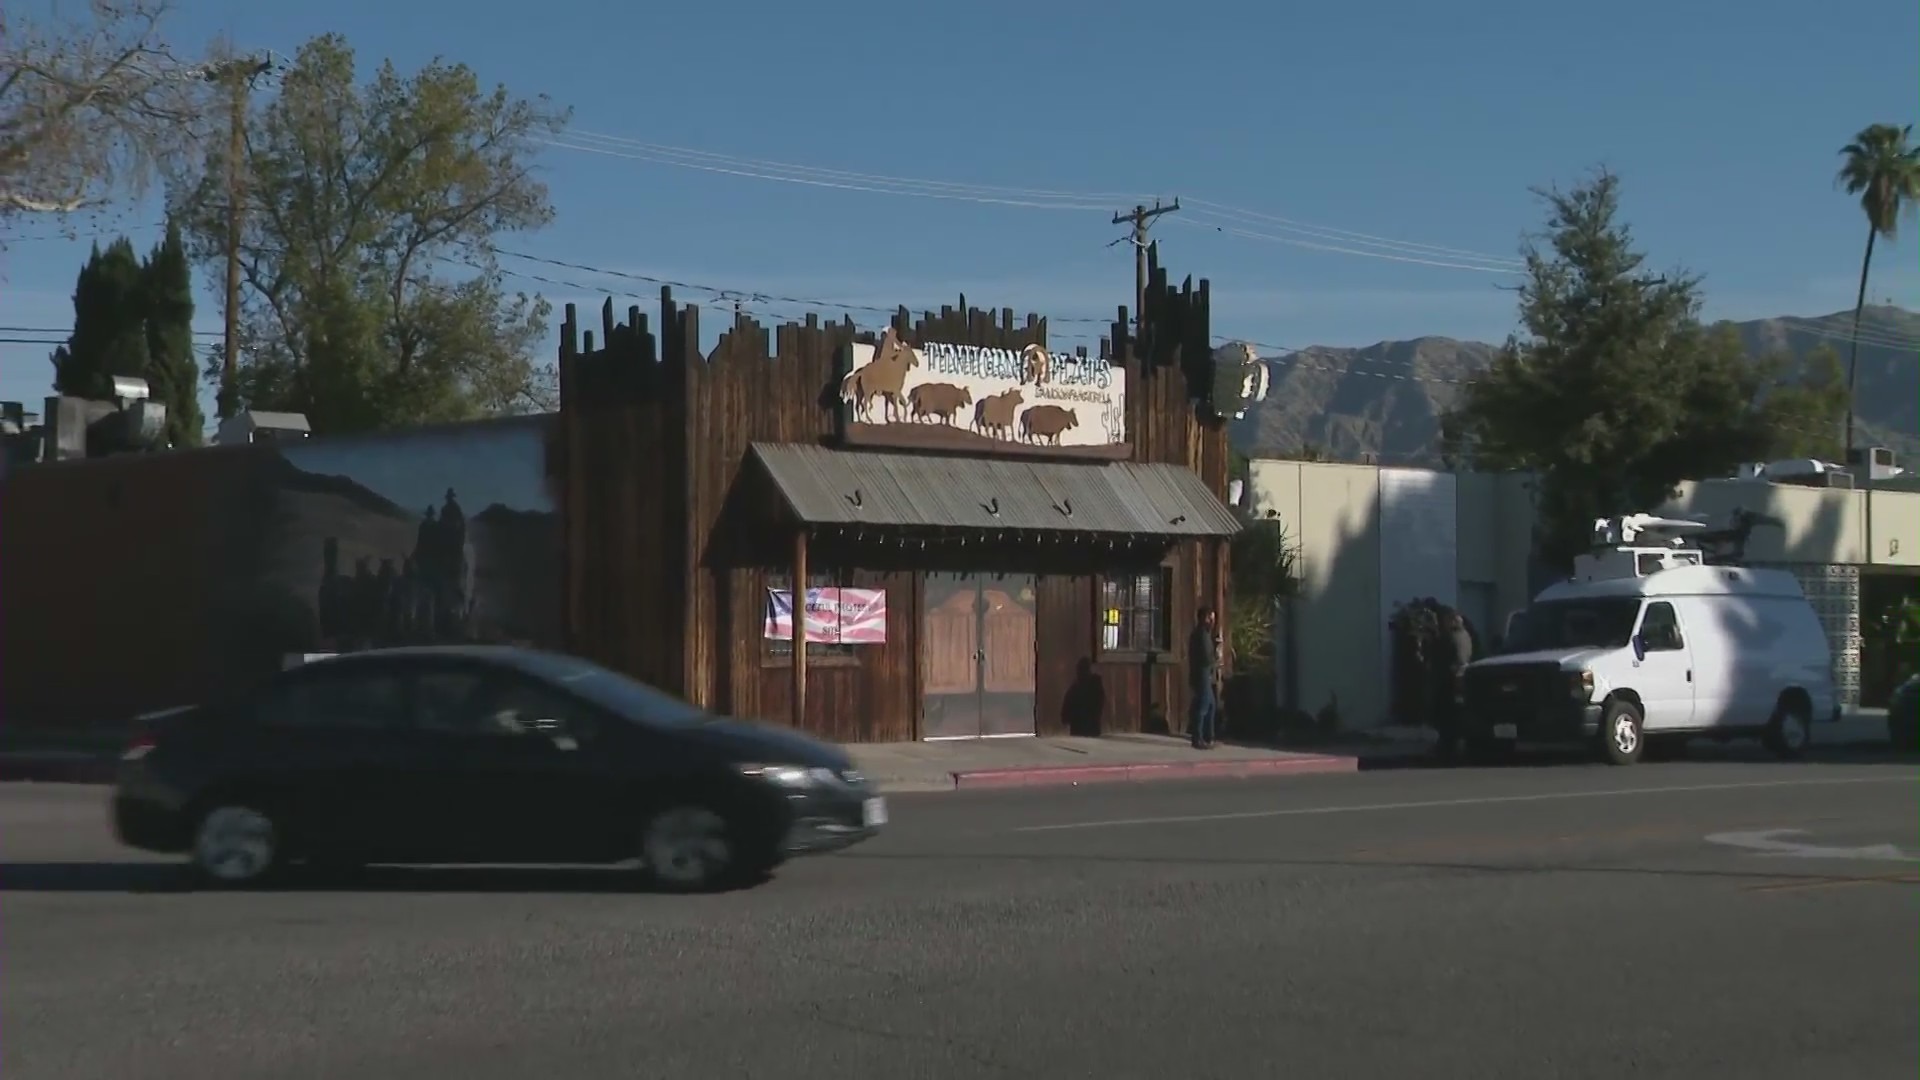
842, 487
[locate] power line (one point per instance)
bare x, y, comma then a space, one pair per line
1205, 208
749, 293
872, 188
1039, 198
66, 331
1389, 256
761, 164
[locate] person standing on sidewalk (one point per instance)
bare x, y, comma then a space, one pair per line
1203, 678
1454, 652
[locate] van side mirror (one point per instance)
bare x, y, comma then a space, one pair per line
1639, 647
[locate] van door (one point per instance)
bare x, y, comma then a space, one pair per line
1664, 671
1718, 656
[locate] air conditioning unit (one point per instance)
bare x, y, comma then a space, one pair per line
252, 427
1878, 462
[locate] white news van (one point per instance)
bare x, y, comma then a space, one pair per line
1651, 641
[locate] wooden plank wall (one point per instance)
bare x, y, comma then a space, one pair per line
114, 570
666, 545
623, 459
1166, 370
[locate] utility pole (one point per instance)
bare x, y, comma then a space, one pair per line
238, 75
1140, 217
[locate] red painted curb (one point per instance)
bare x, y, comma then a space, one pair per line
1172, 770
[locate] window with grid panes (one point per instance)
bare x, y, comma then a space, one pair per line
782, 580
1133, 612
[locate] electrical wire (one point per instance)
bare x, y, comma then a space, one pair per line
875, 189
1389, 256
760, 168
734, 161
751, 294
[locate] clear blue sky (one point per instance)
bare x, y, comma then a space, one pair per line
1417, 124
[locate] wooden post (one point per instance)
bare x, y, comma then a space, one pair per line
1221, 572
800, 628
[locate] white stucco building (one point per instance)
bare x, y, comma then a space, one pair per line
1370, 538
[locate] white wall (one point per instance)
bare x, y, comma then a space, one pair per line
1419, 552
1368, 537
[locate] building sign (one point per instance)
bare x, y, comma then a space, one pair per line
983, 399
834, 616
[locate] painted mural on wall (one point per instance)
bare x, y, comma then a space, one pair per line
437, 536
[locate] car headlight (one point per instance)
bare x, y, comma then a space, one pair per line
789, 775
1581, 684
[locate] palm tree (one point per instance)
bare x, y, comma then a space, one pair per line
1880, 168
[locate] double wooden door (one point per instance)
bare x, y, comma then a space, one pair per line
977, 656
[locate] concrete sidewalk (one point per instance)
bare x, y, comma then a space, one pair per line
1029, 762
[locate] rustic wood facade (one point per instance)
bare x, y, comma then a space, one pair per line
672, 538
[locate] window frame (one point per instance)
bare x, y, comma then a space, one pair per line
1127, 583
779, 654
1679, 632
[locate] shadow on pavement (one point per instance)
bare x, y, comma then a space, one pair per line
1692, 753
1906, 877
161, 877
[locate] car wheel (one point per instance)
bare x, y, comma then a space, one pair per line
235, 845
1622, 739
690, 848
1789, 731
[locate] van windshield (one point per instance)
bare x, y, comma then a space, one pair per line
1599, 623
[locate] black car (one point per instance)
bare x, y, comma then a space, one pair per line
480, 755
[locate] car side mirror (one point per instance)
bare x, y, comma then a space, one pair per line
1639, 647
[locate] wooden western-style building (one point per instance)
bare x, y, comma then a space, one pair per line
993, 538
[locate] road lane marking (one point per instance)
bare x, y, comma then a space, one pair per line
1437, 804
1832, 883
1774, 843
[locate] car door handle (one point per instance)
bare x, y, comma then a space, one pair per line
1689, 674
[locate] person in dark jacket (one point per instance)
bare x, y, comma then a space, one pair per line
1454, 651
1203, 678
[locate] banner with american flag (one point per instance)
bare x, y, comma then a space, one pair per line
834, 616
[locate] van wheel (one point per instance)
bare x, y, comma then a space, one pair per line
1622, 740
1789, 731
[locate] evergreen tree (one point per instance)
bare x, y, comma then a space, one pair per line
1614, 393
172, 371
109, 325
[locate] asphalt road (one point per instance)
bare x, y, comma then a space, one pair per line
1521, 922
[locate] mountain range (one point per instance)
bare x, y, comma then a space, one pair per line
1386, 400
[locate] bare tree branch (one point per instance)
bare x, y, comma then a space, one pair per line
91, 106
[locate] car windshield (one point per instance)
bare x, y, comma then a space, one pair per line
617, 693
1605, 623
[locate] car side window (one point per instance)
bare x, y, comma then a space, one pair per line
370, 701
1660, 629
540, 709
484, 704
451, 701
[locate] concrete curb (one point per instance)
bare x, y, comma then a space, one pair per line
1048, 775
